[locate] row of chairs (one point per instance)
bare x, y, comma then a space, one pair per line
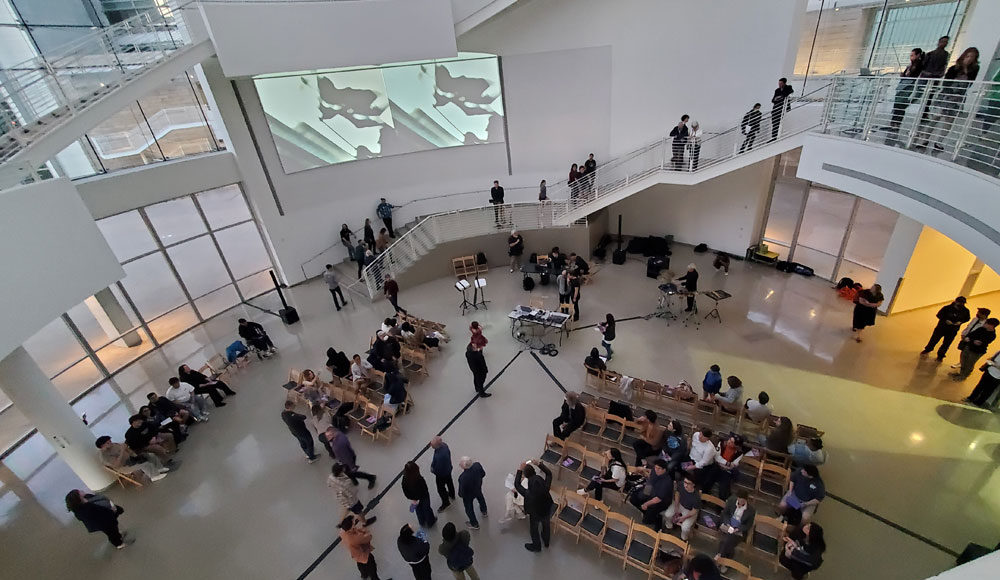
367, 407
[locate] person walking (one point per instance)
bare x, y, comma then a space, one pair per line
496, 198
455, 547
345, 492
441, 468
330, 277
384, 212
415, 550
537, 503
780, 104
296, 423
750, 126
344, 453
477, 364
690, 281
415, 489
574, 181
470, 488
865, 307
391, 289
973, 347
369, 235
345, 238
680, 139
607, 330
589, 169
359, 256
988, 383
355, 535
694, 144
515, 247
98, 514
950, 318
904, 93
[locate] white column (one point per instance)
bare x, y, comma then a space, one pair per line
111, 316
37, 398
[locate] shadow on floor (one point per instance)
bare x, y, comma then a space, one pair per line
962, 416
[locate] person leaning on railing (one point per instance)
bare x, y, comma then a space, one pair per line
956, 83
904, 90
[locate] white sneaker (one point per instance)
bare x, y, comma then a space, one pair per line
158, 477
581, 491
165, 470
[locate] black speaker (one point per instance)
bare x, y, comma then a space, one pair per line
289, 315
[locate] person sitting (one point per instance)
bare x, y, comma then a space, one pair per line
657, 500
652, 437
204, 385
730, 400
803, 550
735, 523
338, 363
235, 351
684, 509
594, 362
256, 336
184, 396
805, 491
725, 470
119, 457
702, 455
702, 567
167, 408
712, 383
780, 437
361, 372
422, 338
309, 385
571, 418
395, 390
390, 326
612, 476
758, 409
675, 451
143, 438
579, 264
809, 453
157, 423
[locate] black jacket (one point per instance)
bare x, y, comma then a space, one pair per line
751, 122
96, 513
690, 280
138, 439
982, 334
956, 314
395, 387
413, 549
575, 417
476, 360
537, 499
781, 97
496, 194
251, 331
296, 422
165, 407
415, 489
339, 362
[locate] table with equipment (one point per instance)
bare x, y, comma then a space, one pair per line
531, 326
544, 271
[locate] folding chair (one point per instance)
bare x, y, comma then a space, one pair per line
592, 463
649, 391
612, 380
617, 530
773, 482
414, 361
747, 474
554, 451
357, 414
711, 507
777, 458
594, 521
122, 477
641, 550
729, 417
766, 538
706, 413
570, 512
631, 434
736, 570
669, 548
805, 432
614, 429
367, 423
573, 459
595, 421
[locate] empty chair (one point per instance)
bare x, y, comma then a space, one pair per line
595, 421
641, 548
773, 482
765, 538
617, 529
733, 569
555, 450
711, 509
573, 458
594, 521
570, 512
747, 474
614, 428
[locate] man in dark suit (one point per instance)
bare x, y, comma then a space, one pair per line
477, 364
780, 105
296, 423
950, 318
571, 418
537, 503
750, 126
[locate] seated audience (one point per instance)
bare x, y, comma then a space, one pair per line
702, 567
758, 409
730, 400
675, 450
256, 336
235, 351
735, 523
653, 503
805, 491
594, 362
144, 438
395, 390
159, 424
803, 551
725, 470
167, 408
390, 326
651, 438
184, 395
361, 372
684, 509
338, 363
780, 437
204, 385
120, 458
712, 383
809, 453
702, 455
612, 475
571, 418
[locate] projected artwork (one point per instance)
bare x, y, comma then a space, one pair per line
343, 115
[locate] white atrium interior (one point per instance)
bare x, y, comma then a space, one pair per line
168, 167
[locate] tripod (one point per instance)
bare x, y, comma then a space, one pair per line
714, 313
692, 317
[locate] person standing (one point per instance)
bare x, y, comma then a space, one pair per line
712, 383
296, 423
780, 104
98, 514
750, 126
575, 283
330, 277
391, 290
515, 247
369, 235
904, 92
865, 307
690, 281
949, 100
936, 61
384, 211
477, 364
950, 318
345, 238
573, 181
694, 143
988, 383
572, 416
982, 315
537, 503
974, 347
607, 330
441, 468
470, 488
415, 550
359, 256
562, 286
344, 453
382, 241
589, 169
358, 540
344, 489
680, 139
496, 198
543, 194
415, 489
457, 552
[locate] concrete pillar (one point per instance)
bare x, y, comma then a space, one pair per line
110, 311
37, 398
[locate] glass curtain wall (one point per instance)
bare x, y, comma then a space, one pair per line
835, 233
186, 260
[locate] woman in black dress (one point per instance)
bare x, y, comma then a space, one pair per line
865, 307
98, 514
415, 489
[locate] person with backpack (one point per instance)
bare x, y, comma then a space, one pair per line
457, 552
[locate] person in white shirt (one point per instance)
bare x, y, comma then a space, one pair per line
183, 394
730, 400
361, 372
758, 409
702, 455
612, 477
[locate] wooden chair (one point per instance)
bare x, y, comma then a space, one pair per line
614, 429
357, 414
631, 434
668, 547
805, 432
594, 378
736, 570
554, 451
220, 367
729, 417
595, 421
650, 392
592, 464
711, 506
777, 458
641, 552
415, 361
570, 512
617, 531
747, 474
706, 413
573, 459
773, 482
612, 380
136, 478
367, 423
766, 538
594, 521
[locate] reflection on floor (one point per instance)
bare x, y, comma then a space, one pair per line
897, 446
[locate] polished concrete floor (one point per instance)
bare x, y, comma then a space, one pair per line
244, 503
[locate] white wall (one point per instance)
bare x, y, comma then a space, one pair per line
711, 59
271, 37
724, 212
53, 257
903, 240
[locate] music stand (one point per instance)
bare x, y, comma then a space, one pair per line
462, 286
716, 295
692, 317
480, 289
